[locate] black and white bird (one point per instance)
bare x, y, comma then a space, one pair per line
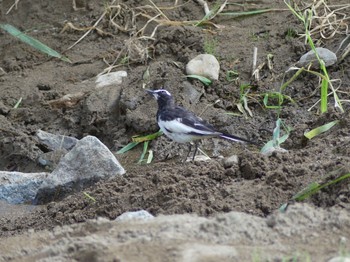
181, 125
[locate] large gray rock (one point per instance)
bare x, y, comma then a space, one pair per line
17, 187
89, 161
204, 65
55, 142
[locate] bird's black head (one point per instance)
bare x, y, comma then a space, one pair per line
164, 98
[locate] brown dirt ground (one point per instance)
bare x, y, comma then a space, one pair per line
257, 185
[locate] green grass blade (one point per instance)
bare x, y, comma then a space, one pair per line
273, 95
297, 14
315, 187
144, 151
284, 86
321, 129
306, 192
210, 15
203, 79
311, 189
127, 147
140, 139
32, 42
247, 13
18, 103
90, 197
324, 97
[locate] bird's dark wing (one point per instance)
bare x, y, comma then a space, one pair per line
195, 124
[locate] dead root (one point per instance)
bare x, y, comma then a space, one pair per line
68, 100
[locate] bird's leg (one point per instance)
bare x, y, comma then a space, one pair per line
195, 150
167, 147
189, 151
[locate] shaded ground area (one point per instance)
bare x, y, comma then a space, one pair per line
256, 185
224, 237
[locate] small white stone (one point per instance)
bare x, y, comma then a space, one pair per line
198, 158
134, 215
114, 78
339, 259
230, 161
271, 150
204, 65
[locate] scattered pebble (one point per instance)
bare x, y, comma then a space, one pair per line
190, 93
114, 78
198, 158
326, 55
4, 110
204, 65
135, 215
272, 150
230, 161
2, 72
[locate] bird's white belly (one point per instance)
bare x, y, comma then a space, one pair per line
176, 133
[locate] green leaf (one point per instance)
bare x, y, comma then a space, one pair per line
283, 207
283, 138
276, 140
127, 147
267, 146
274, 95
276, 132
321, 129
144, 151
149, 137
32, 42
203, 79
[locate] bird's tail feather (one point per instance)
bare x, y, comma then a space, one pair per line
236, 138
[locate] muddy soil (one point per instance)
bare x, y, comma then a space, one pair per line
256, 185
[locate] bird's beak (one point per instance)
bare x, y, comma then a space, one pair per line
151, 92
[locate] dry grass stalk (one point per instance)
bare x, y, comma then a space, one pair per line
122, 18
13, 6
327, 21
